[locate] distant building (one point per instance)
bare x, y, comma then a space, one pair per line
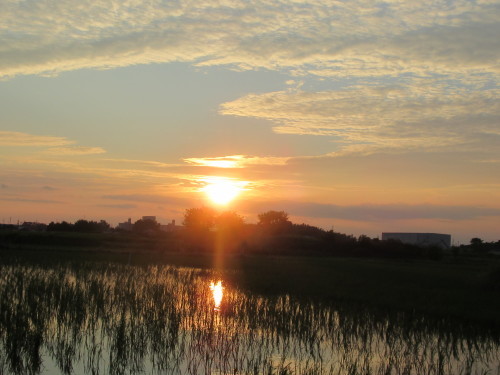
30, 226
420, 239
170, 227
126, 225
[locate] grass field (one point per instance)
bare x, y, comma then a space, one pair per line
452, 289
61, 312
462, 288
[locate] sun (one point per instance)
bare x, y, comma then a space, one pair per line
221, 190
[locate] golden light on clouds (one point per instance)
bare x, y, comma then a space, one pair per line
218, 162
10, 138
319, 107
222, 190
236, 161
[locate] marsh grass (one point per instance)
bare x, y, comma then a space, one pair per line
112, 318
458, 290
463, 289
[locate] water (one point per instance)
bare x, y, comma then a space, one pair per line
117, 319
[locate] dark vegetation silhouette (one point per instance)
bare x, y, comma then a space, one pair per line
206, 230
146, 226
81, 226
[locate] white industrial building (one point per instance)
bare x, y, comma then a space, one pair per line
421, 239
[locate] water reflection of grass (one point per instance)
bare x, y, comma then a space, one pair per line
454, 288
117, 318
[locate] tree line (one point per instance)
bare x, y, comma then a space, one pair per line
205, 229
81, 226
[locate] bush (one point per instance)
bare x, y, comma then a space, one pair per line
435, 253
492, 280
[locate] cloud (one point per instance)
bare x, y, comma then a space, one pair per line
147, 198
401, 75
490, 161
81, 150
358, 38
413, 116
371, 212
9, 138
150, 163
53, 145
49, 188
236, 161
124, 206
44, 201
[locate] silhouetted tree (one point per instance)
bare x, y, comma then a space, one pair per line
476, 244
146, 226
274, 223
229, 231
273, 218
60, 227
476, 241
104, 225
229, 221
308, 230
199, 219
364, 240
91, 226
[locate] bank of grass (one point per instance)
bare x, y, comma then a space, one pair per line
443, 289
461, 288
85, 242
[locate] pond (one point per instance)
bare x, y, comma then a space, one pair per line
97, 318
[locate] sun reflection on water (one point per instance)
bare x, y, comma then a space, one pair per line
120, 319
218, 293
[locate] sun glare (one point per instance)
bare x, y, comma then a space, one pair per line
218, 292
222, 190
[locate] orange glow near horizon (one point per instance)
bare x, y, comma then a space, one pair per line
221, 190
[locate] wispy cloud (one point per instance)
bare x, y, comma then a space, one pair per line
150, 163
24, 200
361, 37
489, 161
402, 75
124, 206
10, 138
66, 151
371, 212
147, 198
51, 145
421, 115
236, 161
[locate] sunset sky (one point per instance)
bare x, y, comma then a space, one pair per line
365, 116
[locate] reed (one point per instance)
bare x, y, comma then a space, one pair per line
113, 318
